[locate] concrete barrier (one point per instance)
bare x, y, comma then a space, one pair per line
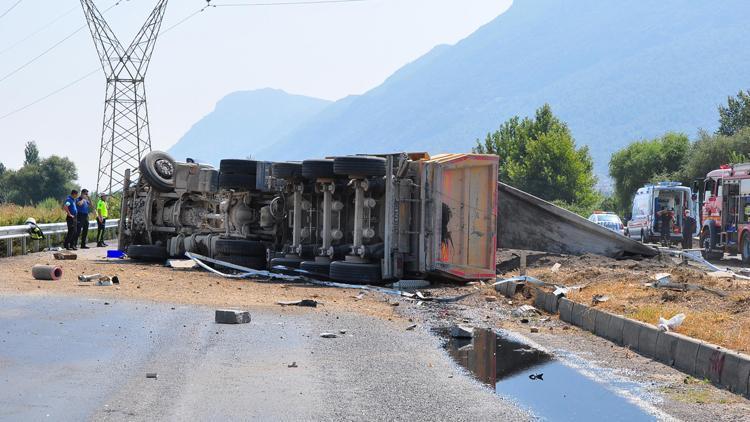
735, 374
589, 319
546, 301
577, 314
614, 329
631, 330
508, 288
601, 324
565, 308
647, 337
709, 362
686, 352
553, 303
666, 347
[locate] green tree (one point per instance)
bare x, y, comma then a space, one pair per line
646, 161
709, 152
51, 177
31, 153
735, 115
539, 156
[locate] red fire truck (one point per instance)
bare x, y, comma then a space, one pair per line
725, 213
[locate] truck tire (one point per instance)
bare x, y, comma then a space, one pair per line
152, 253
238, 166
237, 181
745, 251
708, 244
239, 247
317, 268
359, 166
286, 170
253, 262
351, 272
318, 169
158, 169
286, 262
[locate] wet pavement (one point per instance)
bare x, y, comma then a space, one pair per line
547, 386
68, 358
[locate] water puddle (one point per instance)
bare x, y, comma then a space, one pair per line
537, 381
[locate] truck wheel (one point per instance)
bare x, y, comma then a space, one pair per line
317, 268
238, 166
147, 253
746, 248
286, 262
707, 246
352, 272
317, 169
254, 262
359, 166
158, 169
239, 247
286, 170
237, 181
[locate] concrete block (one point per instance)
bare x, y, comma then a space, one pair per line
647, 338
709, 362
631, 330
540, 301
602, 323
589, 319
666, 347
685, 353
460, 331
735, 374
613, 331
230, 316
508, 288
566, 310
578, 312
552, 303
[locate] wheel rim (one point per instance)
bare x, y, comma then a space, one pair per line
706, 245
164, 168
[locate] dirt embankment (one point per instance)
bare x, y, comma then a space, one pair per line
723, 320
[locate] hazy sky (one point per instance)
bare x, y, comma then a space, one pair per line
325, 50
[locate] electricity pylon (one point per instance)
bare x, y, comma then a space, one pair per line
125, 131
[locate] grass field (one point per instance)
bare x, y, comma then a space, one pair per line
13, 215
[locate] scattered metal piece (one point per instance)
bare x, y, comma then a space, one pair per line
182, 264
232, 316
309, 303
342, 331
460, 331
292, 365
92, 277
596, 299
152, 375
410, 284
411, 327
328, 335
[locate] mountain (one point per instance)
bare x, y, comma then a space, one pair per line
616, 71
244, 120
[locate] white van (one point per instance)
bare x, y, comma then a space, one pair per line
650, 199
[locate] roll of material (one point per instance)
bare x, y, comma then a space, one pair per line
46, 272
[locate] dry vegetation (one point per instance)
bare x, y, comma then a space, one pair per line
12, 215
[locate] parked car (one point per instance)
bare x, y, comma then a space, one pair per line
609, 220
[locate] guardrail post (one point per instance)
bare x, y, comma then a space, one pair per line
23, 245
9, 243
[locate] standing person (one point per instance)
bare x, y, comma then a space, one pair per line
101, 219
83, 204
665, 225
71, 219
688, 228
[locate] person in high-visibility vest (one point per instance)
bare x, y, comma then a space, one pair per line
101, 219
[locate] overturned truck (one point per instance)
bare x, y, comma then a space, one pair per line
357, 219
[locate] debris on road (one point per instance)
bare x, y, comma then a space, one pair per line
409, 284
597, 299
526, 311
292, 365
534, 329
65, 256
671, 324
411, 327
328, 335
555, 268
46, 272
230, 316
87, 278
460, 331
309, 303
152, 375
182, 264
539, 377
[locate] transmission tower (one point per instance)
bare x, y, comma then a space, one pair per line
125, 131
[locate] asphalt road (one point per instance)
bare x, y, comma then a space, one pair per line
66, 358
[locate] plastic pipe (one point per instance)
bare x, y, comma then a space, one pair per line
46, 272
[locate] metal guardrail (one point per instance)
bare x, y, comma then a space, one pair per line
11, 234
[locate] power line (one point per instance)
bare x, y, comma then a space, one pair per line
49, 49
42, 28
11, 8
286, 3
88, 75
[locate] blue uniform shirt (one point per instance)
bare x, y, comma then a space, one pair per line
83, 209
71, 204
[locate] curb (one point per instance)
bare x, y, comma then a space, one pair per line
722, 367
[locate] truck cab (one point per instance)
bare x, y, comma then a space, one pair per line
725, 213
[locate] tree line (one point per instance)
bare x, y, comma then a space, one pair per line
38, 179
539, 155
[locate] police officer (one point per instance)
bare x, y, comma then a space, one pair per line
71, 220
83, 204
101, 219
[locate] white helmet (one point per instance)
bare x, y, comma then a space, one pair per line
30, 220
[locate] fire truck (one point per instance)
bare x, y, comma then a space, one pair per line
725, 213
